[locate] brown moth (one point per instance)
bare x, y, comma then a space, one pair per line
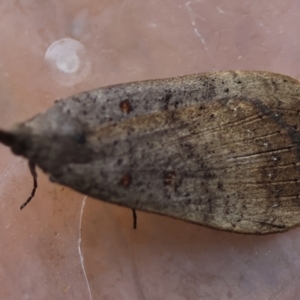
217, 149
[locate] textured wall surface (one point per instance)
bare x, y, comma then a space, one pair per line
66, 246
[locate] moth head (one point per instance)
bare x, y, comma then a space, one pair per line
16, 141
48, 144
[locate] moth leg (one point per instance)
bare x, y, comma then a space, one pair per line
134, 218
35, 185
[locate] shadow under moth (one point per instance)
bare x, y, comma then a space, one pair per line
218, 149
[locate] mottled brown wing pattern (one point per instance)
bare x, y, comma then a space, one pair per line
218, 149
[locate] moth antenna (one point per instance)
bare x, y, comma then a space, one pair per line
134, 218
35, 185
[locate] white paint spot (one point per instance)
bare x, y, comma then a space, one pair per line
68, 62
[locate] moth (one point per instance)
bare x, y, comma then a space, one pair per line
218, 149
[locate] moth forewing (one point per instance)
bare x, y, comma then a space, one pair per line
217, 149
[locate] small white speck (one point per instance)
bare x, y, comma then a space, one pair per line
193, 18
221, 11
